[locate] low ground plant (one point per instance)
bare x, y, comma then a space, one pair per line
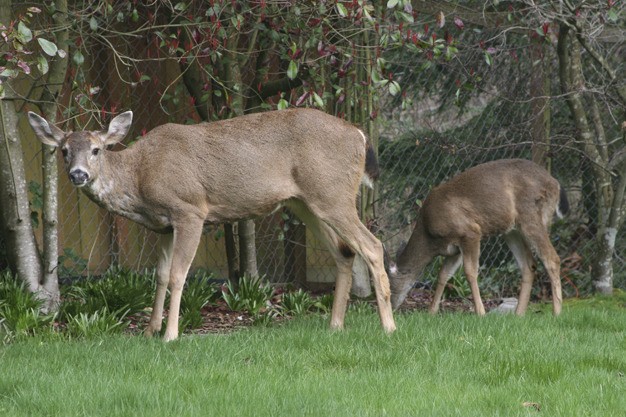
250, 294
200, 291
296, 303
20, 314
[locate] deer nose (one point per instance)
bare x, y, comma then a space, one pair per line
79, 177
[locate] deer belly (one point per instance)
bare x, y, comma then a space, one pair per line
156, 223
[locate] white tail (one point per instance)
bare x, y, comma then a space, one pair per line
179, 177
512, 197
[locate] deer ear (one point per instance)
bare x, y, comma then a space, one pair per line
47, 133
118, 128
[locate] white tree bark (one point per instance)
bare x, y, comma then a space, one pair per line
15, 221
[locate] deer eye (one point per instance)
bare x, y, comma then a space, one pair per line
64, 152
95, 151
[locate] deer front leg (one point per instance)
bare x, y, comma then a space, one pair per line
448, 268
186, 239
163, 279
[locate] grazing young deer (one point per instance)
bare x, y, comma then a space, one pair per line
179, 177
512, 197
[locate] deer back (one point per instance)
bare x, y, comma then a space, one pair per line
491, 198
230, 169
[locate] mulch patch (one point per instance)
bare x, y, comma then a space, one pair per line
419, 300
219, 319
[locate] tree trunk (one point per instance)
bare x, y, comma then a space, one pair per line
295, 253
247, 248
246, 228
56, 78
15, 222
231, 253
609, 197
602, 268
540, 105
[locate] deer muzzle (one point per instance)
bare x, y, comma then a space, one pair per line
79, 177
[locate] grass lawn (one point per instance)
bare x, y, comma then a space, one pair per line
447, 365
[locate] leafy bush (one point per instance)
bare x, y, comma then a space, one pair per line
117, 290
19, 311
251, 295
71, 264
324, 303
296, 303
96, 324
199, 292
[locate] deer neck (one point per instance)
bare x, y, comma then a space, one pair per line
417, 253
115, 186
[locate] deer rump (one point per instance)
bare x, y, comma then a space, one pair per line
515, 198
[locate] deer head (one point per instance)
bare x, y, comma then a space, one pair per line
82, 151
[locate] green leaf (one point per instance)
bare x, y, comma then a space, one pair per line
42, 65
341, 9
375, 77
282, 104
25, 34
8, 73
180, 6
394, 88
78, 58
93, 23
292, 70
404, 16
392, 3
318, 100
48, 47
144, 77
488, 58
613, 15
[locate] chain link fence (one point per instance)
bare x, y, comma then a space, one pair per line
442, 134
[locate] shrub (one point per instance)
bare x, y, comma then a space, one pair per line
96, 324
117, 290
20, 311
324, 303
296, 303
200, 291
250, 295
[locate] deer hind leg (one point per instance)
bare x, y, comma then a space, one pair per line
524, 257
537, 236
360, 240
450, 265
163, 279
342, 254
186, 239
471, 254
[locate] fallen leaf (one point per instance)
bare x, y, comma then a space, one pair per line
529, 404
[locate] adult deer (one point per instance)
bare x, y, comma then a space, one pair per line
512, 197
179, 177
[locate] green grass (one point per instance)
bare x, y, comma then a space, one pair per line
447, 365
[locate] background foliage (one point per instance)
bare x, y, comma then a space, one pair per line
436, 89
